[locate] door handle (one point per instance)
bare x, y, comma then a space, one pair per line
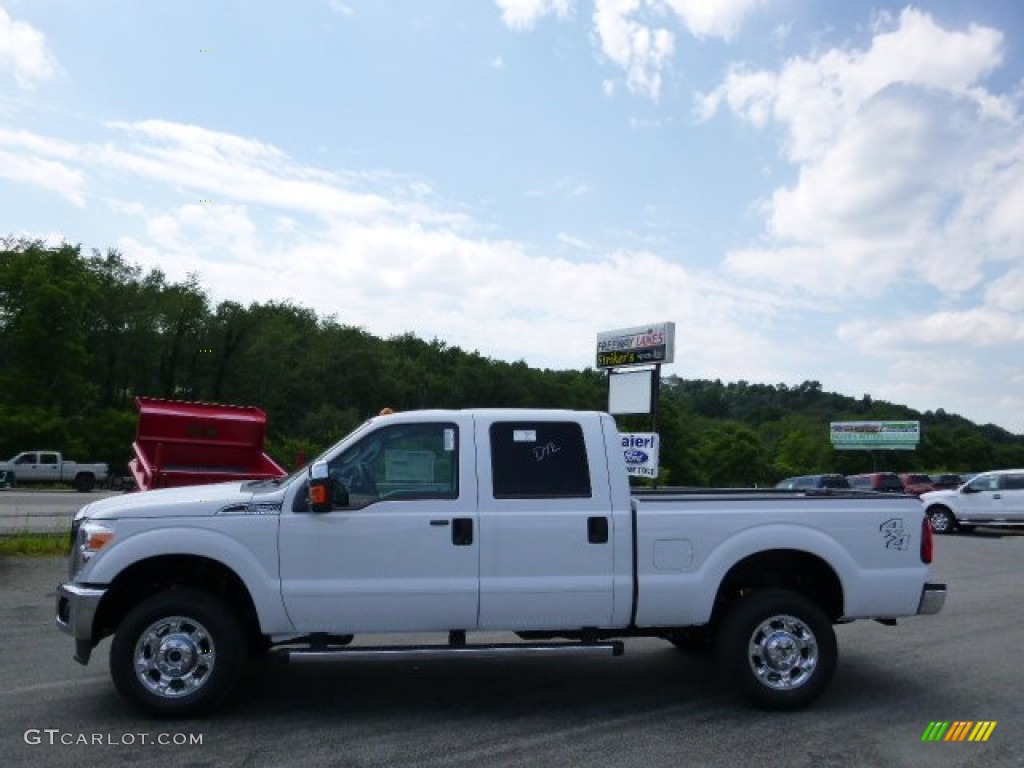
597, 530
996, 496
439, 523
462, 531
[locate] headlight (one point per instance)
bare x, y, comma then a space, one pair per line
91, 538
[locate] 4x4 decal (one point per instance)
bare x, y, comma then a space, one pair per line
895, 535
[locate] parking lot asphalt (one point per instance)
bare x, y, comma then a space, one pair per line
653, 707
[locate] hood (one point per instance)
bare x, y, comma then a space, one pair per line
189, 501
938, 495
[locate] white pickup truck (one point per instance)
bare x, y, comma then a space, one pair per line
990, 498
457, 522
50, 467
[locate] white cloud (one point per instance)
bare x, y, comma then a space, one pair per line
23, 52
717, 18
627, 33
341, 8
978, 327
223, 166
46, 174
641, 51
907, 168
1007, 292
524, 14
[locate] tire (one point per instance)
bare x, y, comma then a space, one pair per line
942, 520
777, 649
84, 482
177, 654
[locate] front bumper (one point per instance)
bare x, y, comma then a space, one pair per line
933, 597
76, 611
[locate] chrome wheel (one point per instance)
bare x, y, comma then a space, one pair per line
174, 656
782, 652
777, 648
942, 520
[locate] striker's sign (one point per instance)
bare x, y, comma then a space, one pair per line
640, 449
643, 345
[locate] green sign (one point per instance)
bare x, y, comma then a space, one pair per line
875, 435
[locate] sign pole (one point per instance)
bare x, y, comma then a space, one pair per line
655, 396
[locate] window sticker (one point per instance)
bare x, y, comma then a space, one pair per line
449, 440
524, 436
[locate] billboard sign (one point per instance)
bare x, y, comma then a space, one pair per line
875, 435
640, 449
643, 345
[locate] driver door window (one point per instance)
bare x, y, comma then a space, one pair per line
408, 461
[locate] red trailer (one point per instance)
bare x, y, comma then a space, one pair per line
181, 443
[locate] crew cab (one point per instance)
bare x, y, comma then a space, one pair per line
50, 467
459, 522
993, 498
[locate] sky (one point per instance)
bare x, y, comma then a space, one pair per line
809, 190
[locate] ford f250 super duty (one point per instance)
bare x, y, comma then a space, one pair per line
456, 522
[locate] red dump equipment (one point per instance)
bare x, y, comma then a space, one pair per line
180, 443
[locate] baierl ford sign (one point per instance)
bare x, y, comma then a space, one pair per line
643, 345
640, 450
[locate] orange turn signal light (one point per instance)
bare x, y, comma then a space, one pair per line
318, 493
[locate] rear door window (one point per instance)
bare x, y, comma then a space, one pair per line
539, 459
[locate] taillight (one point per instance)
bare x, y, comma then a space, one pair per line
927, 540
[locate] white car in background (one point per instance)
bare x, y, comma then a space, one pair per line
991, 498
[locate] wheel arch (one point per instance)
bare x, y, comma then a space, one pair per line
176, 571
792, 569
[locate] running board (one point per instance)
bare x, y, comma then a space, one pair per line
398, 652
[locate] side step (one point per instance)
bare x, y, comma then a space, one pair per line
398, 652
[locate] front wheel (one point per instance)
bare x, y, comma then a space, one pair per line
177, 654
778, 649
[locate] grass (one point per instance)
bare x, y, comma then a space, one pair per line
34, 544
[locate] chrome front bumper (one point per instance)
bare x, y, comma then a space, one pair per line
76, 611
933, 597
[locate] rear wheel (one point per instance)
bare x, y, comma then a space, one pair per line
84, 482
177, 654
942, 520
778, 649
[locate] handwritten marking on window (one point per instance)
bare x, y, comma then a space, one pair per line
541, 452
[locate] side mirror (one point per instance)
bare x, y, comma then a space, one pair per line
320, 487
968, 488
325, 493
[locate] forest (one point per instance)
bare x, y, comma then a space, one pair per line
81, 335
